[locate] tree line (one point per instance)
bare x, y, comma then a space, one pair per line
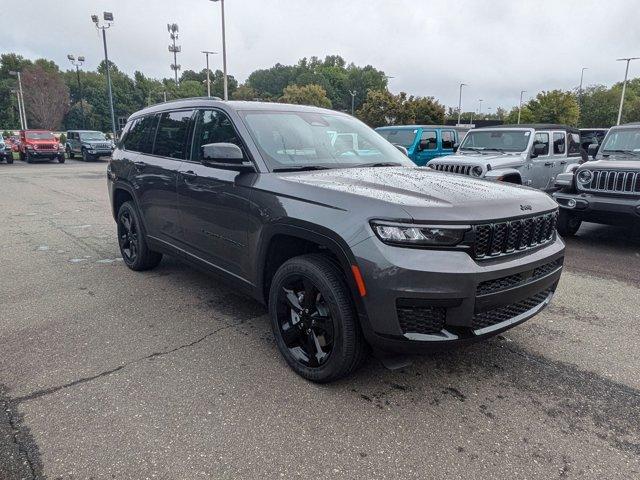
53, 98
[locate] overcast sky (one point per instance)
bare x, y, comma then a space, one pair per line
498, 47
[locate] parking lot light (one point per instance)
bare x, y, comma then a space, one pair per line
77, 63
207, 53
624, 84
108, 17
224, 52
460, 103
23, 111
522, 92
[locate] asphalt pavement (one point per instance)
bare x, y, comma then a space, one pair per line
109, 373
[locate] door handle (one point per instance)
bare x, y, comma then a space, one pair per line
189, 174
140, 164
549, 164
563, 162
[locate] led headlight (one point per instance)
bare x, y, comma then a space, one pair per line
476, 171
585, 176
419, 235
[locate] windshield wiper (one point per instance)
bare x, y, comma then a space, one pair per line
379, 164
475, 149
300, 168
628, 152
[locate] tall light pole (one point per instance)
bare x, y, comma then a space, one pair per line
460, 102
78, 63
624, 85
353, 99
522, 92
580, 89
172, 28
108, 18
224, 52
23, 111
207, 53
17, 92
480, 107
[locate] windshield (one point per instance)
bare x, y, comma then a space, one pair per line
299, 139
40, 136
624, 140
399, 136
496, 140
92, 136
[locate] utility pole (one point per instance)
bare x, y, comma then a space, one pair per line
580, 89
480, 107
21, 107
224, 52
624, 84
77, 63
522, 92
353, 100
207, 53
460, 103
172, 28
108, 17
17, 92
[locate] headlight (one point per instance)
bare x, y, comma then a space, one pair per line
585, 176
476, 171
419, 235
86, 145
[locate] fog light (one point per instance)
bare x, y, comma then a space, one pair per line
571, 203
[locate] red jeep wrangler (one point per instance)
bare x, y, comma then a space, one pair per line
39, 145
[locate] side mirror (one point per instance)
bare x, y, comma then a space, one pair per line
593, 150
423, 145
538, 149
220, 155
401, 148
455, 147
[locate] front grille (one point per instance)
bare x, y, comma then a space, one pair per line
511, 281
613, 181
44, 146
507, 312
101, 145
496, 239
452, 168
425, 319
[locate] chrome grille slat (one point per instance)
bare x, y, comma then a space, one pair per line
613, 181
452, 168
504, 238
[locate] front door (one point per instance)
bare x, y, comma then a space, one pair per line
427, 147
214, 208
542, 165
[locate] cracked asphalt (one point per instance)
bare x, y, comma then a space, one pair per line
109, 373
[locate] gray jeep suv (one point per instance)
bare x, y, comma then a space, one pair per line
532, 155
350, 246
89, 144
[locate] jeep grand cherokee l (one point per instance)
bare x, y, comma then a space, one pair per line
606, 190
350, 248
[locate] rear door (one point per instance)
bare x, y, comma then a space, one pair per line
214, 207
559, 154
448, 140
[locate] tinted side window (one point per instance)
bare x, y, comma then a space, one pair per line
139, 138
542, 138
558, 143
430, 138
448, 139
213, 126
171, 139
574, 144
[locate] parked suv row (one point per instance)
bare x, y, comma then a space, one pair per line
351, 248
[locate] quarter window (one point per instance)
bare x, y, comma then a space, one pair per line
558, 143
213, 126
543, 139
429, 140
171, 139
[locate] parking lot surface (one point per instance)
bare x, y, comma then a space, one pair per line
109, 373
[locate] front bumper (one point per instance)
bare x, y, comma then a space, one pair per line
49, 154
420, 299
600, 208
100, 152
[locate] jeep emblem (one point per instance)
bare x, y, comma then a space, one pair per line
525, 207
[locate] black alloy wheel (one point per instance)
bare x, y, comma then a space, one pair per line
306, 324
128, 237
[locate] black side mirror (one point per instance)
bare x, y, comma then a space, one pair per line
593, 150
220, 155
455, 147
538, 149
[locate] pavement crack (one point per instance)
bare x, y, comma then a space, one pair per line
190, 344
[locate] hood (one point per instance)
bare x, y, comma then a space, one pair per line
34, 141
423, 194
495, 160
614, 162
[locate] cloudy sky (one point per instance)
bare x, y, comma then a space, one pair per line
498, 47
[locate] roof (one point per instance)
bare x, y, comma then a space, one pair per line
83, 131
534, 126
405, 127
195, 102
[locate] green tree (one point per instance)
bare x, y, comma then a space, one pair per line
380, 108
555, 106
244, 92
306, 95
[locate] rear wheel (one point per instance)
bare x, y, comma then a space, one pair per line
314, 320
131, 239
568, 224
70, 154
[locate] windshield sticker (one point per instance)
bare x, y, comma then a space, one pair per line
526, 134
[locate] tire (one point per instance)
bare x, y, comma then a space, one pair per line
27, 157
568, 224
10, 159
132, 242
70, 153
61, 158
85, 156
327, 316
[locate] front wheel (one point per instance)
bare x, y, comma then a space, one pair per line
10, 159
314, 320
61, 158
568, 224
70, 153
27, 157
132, 242
85, 156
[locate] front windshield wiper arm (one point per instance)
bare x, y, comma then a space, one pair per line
379, 164
300, 168
629, 152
